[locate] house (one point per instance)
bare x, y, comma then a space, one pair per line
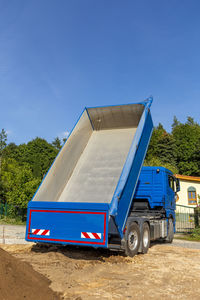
189, 190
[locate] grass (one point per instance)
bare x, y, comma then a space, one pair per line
193, 236
11, 221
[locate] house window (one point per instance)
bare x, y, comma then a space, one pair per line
192, 196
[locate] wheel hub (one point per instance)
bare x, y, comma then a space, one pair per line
132, 240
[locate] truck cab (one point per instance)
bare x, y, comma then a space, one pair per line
153, 209
157, 186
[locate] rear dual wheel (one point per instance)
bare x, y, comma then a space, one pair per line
133, 239
145, 238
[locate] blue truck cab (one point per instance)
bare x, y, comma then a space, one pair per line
156, 194
96, 192
152, 212
157, 187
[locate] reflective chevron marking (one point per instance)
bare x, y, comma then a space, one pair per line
91, 235
40, 231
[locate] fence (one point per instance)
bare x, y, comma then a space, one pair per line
12, 211
185, 218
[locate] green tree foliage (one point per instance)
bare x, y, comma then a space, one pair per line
158, 132
179, 150
166, 149
162, 150
38, 154
23, 168
175, 122
19, 184
154, 161
3, 140
187, 138
57, 143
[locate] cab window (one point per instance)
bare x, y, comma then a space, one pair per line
171, 182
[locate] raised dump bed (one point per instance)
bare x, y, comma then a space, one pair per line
93, 177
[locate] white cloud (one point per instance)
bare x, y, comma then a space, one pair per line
9, 132
63, 135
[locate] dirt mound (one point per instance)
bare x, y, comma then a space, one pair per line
19, 281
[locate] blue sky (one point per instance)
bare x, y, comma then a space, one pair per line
58, 56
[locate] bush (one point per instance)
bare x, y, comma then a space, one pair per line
196, 233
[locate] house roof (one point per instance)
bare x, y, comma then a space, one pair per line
188, 178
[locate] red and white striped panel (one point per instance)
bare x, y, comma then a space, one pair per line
41, 231
91, 235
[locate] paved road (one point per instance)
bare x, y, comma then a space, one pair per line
186, 244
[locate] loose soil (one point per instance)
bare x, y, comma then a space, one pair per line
19, 281
166, 272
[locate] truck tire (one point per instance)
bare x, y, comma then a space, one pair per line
170, 235
145, 238
132, 240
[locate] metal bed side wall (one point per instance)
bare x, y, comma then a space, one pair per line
126, 196
63, 166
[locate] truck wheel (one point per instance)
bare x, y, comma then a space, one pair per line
145, 238
170, 234
132, 240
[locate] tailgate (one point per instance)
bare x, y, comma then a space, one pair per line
65, 225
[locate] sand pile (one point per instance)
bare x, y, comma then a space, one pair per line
19, 281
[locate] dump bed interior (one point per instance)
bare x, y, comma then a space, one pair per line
89, 165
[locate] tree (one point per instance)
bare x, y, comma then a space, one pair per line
57, 143
190, 121
38, 154
3, 140
162, 146
162, 150
10, 151
154, 161
187, 139
166, 149
153, 146
175, 122
19, 184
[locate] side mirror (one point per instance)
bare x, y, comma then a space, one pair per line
177, 185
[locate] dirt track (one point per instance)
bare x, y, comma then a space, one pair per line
166, 272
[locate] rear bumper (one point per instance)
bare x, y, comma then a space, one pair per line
59, 223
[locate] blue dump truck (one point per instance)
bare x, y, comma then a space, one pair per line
96, 192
